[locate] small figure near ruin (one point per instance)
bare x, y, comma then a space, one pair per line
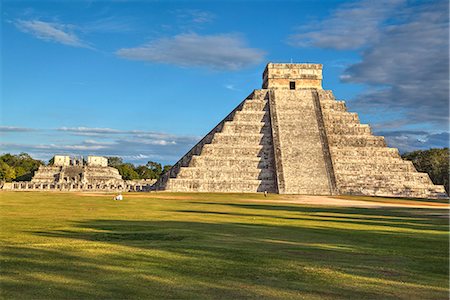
118, 197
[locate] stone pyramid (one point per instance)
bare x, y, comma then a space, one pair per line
293, 137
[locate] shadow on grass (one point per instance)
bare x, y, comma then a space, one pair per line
120, 259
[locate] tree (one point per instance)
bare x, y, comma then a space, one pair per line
127, 171
155, 167
166, 168
7, 173
114, 161
23, 164
145, 173
435, 162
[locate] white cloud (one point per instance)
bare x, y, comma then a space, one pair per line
231, 87
89, 130
15, 129
404, 56
411, 140
53, 32
222, 51
351, 26
195, 15
137, 146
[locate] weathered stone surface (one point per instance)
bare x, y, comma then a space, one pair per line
237, 155
72, 174
294, 137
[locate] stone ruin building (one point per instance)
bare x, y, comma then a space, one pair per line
294, 137
74, 174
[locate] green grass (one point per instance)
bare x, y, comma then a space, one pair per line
210, 246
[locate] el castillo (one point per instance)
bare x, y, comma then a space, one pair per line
224, 150
289, 137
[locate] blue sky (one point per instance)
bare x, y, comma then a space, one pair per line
144, 80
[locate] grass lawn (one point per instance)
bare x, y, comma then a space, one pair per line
205, 246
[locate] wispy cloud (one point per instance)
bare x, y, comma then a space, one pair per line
404, 55
15, 129
137, 146
195, 15
110, 24
92, 130
52, 32
231, 87
351, 26
410, 140
222, 51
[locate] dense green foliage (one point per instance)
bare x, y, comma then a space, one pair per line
217, 246
435, 162
20, 167
152, 170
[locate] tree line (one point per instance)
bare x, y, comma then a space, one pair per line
435, 162
151, 170
21, 167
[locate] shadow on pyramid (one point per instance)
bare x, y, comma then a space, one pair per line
293, 137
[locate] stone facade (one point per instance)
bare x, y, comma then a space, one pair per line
72, 174
293, 137
97, 161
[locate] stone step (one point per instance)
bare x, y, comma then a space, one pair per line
387, 178
368, 168
326, 94
433, 192
360, 153
339, 116
251, 116
292, 94
238, 151
333, 105
366, 160
356, 140
259, 94
224, 173
347, 129
201, 185
255, 105
239, 128
242, 139
232, 161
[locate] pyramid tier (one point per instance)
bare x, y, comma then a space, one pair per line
364, 152
238, 157
434, 191
341, 140
363, 164
219, 150
223, 173
225, 186
244, 163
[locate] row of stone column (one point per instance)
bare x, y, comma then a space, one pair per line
42, 186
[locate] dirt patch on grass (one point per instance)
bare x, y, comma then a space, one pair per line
373, 203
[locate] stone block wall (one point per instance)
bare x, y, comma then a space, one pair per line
363, 164
236, 156
298, 145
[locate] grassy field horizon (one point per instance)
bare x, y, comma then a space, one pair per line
209, 246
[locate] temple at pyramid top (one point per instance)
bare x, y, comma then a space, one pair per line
292, 76
294, 137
